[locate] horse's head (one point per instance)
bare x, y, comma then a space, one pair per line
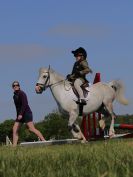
43, 81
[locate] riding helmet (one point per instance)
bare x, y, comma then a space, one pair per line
80, 50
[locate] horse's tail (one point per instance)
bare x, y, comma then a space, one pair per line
118, 86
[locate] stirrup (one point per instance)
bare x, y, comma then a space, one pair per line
81, 101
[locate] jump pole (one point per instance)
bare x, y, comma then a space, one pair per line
49, 142
84, 125
87, 127
96, 80
123, 127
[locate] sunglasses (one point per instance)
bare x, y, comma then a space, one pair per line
16, 85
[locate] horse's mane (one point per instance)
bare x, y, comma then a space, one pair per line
57, 75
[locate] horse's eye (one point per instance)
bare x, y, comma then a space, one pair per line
44, 76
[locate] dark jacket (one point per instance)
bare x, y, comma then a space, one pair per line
21, 103
80, 69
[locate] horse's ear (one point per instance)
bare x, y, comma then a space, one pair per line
49, 67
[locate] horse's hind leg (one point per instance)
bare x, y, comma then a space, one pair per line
109, 108
74, 128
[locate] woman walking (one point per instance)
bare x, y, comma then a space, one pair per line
24, 113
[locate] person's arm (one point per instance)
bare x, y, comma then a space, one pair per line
24, 102
86, 68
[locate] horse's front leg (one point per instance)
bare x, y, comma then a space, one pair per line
74, 128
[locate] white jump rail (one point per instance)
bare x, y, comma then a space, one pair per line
50, 142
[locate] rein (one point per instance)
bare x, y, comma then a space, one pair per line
47, 82
67, 89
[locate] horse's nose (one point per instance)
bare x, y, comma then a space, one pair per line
37, 84
37, 89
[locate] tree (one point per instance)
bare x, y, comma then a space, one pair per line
54, 126
6, 130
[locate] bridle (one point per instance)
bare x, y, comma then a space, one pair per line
43, 86
47, 82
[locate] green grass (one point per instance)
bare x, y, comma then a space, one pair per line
95, 159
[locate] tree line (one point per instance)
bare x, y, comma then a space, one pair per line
53, 126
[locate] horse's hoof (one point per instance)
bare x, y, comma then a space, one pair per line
84, 141
111, 135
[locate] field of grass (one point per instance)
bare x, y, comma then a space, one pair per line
96, 159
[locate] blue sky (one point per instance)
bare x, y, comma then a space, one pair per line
34, 34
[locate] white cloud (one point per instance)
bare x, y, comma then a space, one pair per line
27, 51
77, 30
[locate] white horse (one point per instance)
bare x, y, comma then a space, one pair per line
100, 97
